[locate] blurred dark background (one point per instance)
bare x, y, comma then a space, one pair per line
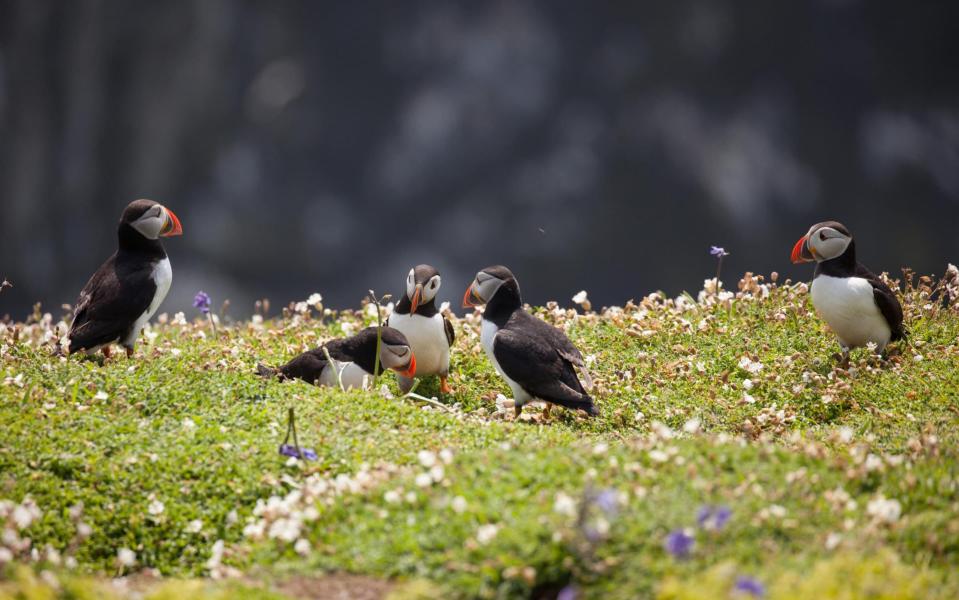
329, 146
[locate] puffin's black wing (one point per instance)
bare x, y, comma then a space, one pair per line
886, 301
114, 298
531, 360
450, 334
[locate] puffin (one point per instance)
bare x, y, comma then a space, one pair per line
536, 359
857, 305
430, 334
127, 289
353, 358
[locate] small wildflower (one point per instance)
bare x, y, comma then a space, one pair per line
564, 505
126, 557
459, 505
314, 300
568, 593
426, 458
749, 586
202, 301
194, 526
486, 533
718, 251
155, 508
713, 518
101, 395
608, 501
679, 543
301, 547
294, 452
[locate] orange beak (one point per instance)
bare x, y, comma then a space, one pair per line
802, 253
411, 369
470, 299
172, 226
416, 297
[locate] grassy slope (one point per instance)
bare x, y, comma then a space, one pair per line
189, 425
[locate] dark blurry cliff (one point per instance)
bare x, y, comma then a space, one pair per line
329, 146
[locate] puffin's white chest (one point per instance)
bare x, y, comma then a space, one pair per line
427, 337
487, 339
351, 375
162, 278
848, 305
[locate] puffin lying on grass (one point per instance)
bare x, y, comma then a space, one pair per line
128, 288
536, 359
353, 359
856, 304
430, 334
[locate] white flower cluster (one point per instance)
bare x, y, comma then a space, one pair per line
14, 519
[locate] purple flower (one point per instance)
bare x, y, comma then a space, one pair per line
679, 543
718, 251
202, 301
748, 585
293, 451
608, 501
713, 518
568, 593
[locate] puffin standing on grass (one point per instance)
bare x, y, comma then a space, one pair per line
353, 359
128, 288
430, 333
536, 359
856, 304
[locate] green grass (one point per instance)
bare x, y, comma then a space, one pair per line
188, 425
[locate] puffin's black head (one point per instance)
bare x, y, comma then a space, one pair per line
422, 284
824, 241
396, 352
150, 219
487, 283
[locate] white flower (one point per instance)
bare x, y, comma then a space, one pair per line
747, 384
833, 540
426, 458
314, 299
486, 533
777, 511
748, 399
600, 448
750, 365
126, 557
301, 307
887, 510
216, 555
446, 455
101, 395
155, 508
693, 426
179, 318
459, 505
391, 497
424, 480
437, 473
194, 526
188, 423
658, 456
503, 404
5, 555
564, 505
580, 297
176, 351
845, 434
302, 546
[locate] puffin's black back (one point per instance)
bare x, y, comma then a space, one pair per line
359, 349
121, 290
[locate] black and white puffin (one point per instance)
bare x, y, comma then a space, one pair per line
536, 359
128, 288
353, 358
856, 304
430, 333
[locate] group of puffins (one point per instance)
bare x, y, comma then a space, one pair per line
536, 360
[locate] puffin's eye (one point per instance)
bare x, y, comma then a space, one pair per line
822, 235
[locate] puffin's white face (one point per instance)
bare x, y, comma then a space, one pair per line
421, 293
482, 290
399, 358
827, 243
157, 221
